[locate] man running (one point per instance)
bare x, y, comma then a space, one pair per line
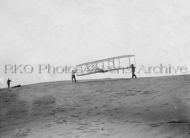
133, 71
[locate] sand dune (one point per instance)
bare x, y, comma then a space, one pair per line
114, 108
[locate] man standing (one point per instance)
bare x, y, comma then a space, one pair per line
133, 71
73, 76
8, 82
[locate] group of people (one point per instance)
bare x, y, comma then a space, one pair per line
73, 77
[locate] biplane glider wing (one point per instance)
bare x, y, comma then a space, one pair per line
105, 65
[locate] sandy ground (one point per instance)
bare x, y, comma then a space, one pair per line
118, 108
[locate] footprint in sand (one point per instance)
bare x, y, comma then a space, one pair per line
60, 121
138, 113
155, 125
147, 110
147, 92
166, 104
48, 125
21, 133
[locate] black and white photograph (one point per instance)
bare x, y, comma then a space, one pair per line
94, 69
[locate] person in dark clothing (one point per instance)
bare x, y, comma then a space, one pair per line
133, 71
73, 76
8, 82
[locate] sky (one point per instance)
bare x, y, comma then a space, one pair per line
70, 32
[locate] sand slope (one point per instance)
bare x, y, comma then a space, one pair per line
120, 108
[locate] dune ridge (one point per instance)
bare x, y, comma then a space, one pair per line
116, 108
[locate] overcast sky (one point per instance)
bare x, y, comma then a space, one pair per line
69, 32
